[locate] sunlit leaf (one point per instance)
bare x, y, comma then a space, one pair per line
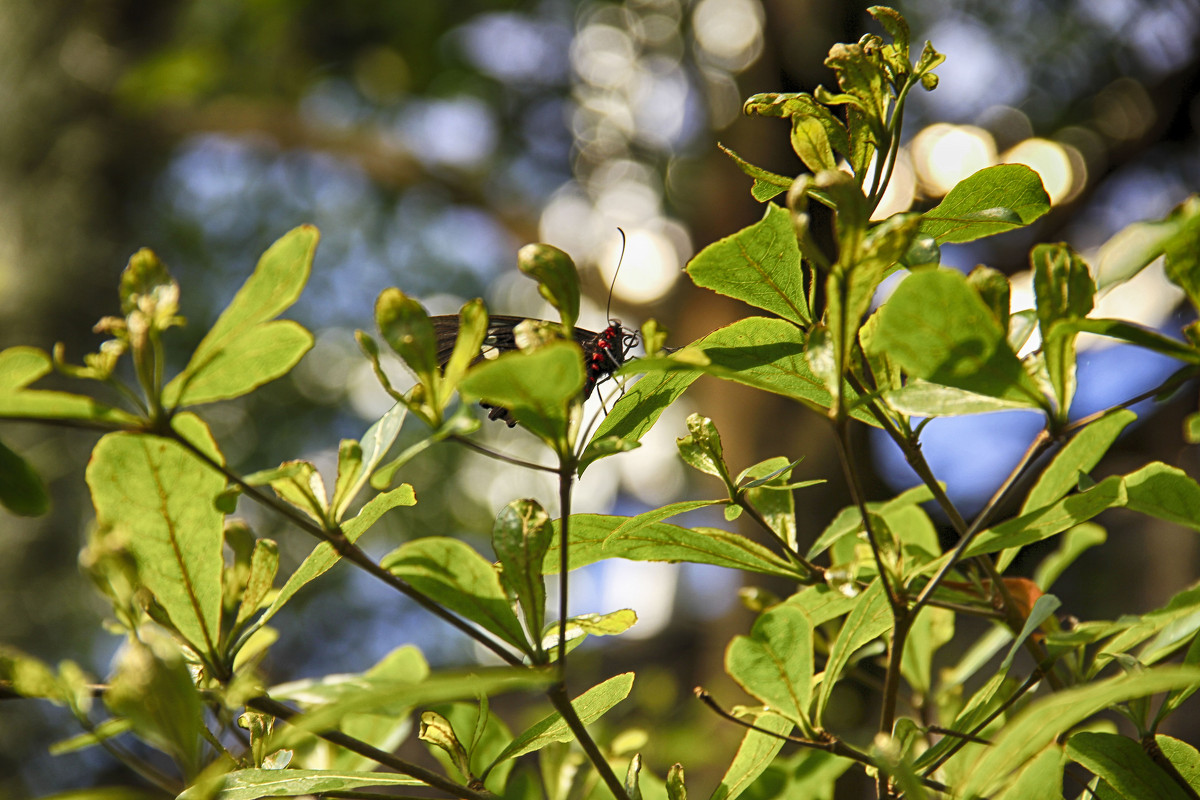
245, 348
993, 200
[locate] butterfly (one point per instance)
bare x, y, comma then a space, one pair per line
603, 352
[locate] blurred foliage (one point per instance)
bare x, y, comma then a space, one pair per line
205, 129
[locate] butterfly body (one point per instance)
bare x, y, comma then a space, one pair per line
603, 352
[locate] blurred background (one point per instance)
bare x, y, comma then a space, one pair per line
428, 141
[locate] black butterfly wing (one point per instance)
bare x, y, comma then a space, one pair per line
499, 338
603, 352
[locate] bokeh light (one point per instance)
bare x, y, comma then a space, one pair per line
944, 154
1060, 166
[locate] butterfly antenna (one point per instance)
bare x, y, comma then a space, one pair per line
611, 286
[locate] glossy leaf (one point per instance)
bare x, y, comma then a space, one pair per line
759, 265
1065, 291
1077, 458
635, 413
993, 200
323, 556
536, 387
362, 457
939, 330
1135, 246
754, 755
763, 353
406, 327
870, 618
250, 784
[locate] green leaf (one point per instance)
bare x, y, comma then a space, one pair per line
153, 688
759, 265
405, 326
250, 784
245, 348
589, 707
849, 519
1047, 521
361, 461
933, 628
924, 399
994, 289
634, 524
1136, 334
452, 573
767, 184
558, 280
1065, 291
323, 556
763, 353
869, 619
756, 752
472, 330
772, 496
852, 284
21, 366
1078, 457
1123, 765
22, 490
811, 143
264, 565
701, 449
938, 329
398, 694
1185, 758
1165, 492
593, 539
1036, 726
775, 663
159, 495
521, 536
1041, 779
639, 408
1134, 247
994, 200
536, 387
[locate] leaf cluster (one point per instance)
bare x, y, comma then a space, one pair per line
193, 588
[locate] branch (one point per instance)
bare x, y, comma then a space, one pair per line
280, 711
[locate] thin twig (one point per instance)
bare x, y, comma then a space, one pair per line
276, 709
348, 550
831, 744
516, 462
